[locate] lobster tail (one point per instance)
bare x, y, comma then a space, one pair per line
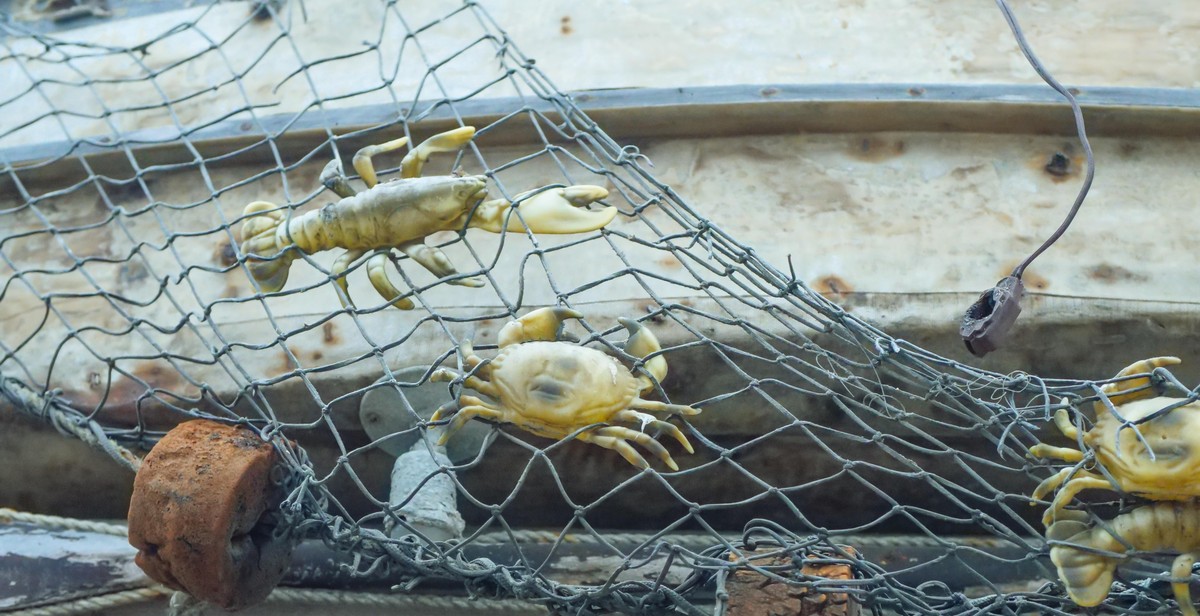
1087, 575
267, 259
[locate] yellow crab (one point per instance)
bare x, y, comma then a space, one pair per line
401, 214
1163, 464
554, 389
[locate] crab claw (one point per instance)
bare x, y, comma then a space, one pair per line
542, 324
553, 211
1114, 390
641, 343
267, 258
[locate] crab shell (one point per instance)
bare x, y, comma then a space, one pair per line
558, 389
1159, 459
554, 385
1173, 471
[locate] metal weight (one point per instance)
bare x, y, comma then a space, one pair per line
987, 322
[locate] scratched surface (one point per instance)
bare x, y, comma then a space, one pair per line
878, 223
580, 45
901, 229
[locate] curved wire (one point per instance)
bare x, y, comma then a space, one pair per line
1079, 129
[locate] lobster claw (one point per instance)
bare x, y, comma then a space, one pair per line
553, 211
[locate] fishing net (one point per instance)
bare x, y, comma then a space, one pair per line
127, 307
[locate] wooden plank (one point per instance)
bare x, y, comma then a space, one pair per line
641, 114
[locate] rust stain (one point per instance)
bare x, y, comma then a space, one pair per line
565, 26
670, 261
754, 153
833, 287
961, 173
224, 254
329, 333
132, 272
1106, 272
121, 398
260, 11
875, 149
1060, 165
1004, 219
317, 355
652, 309
1031, 279
285, 364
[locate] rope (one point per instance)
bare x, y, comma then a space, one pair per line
37, 519
181, 603
66, 420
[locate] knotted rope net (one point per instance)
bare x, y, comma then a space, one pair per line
127, 307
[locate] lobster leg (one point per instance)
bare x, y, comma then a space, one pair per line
338, 272
1181, 570
378, 275
436, 261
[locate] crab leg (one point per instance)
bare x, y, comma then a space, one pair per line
1042, 450
1082, 480
471, 381
649, 420
378, 274
1062, 420
475, 408
449, 141
436, 261
617, 437
663, 407
473, 361
555, 210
